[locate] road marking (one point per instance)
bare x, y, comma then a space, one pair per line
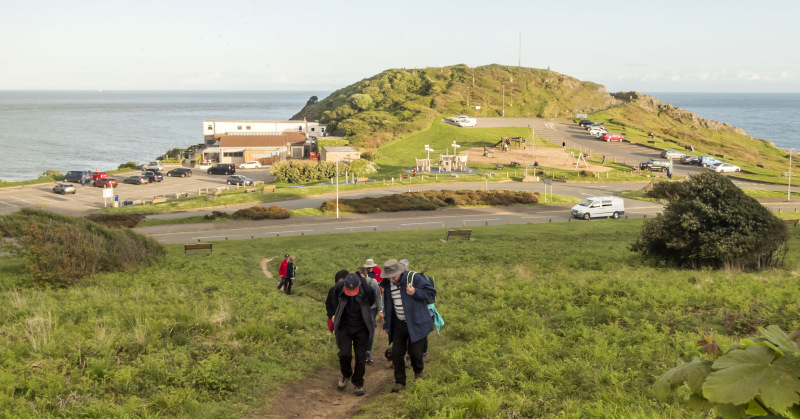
282, 232
10, 205
350, 228
485, 219
414, 224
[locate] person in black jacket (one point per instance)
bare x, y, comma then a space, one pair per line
352, 324
290, 271
329, 302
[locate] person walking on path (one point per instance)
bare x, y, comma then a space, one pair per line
352, 325
290, 272
282, 271
373, 270
407, 320
376, 309
604, 159
564, 145
329, 301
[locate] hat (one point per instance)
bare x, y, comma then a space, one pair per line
392, 268
370, 264
352, 285
404, 262
286, 256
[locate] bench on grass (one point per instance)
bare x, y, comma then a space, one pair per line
361, 179
791, 222
270, 188
197, 246
404, 176
467, 233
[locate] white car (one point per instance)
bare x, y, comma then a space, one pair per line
596, 131
250, 165
460, 118
153, 165
470, 122
725, 167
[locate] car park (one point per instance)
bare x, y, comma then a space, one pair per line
672, 154
153, 176
108, 182
239, 180
250, 165
610, 136
180, 172
78, 176
64, 188
725, 167
155, 165
604, 206
136, 180
222, 169
707, 161
655, 164
689, 159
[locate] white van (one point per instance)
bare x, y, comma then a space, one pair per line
603, 206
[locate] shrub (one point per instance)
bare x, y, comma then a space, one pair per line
362, 167
61, 249
262, 213
371, 155
361, 101
322, 142
300, 171
709, 222
216, 214
55, 174
430, 200
129, 165
117, 220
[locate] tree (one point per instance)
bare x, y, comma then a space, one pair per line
361, 101
312, 101
709, 222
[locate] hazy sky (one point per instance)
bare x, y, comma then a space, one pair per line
648, 46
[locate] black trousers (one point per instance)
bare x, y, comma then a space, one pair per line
288, 286
401, 343
283, 282
353, 340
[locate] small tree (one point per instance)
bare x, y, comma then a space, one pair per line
710, 222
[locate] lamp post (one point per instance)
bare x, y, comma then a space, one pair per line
504, 100
789, 187
337, 186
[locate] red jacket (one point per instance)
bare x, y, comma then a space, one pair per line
377, 271
282, 269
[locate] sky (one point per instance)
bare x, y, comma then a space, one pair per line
675, 46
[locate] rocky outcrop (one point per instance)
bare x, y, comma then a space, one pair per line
651, 104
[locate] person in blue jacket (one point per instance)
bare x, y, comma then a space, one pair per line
407, 320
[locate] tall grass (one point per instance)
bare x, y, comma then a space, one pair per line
541, 320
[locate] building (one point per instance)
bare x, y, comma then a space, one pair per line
342, 153
267, 149
213, 130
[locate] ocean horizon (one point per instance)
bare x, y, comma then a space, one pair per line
67, 130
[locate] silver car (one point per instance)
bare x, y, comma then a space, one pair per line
64, 188
239, 180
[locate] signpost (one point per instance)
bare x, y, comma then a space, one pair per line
548, 182
107, 193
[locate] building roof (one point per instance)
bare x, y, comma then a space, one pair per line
246, 121
250, 141
339, 149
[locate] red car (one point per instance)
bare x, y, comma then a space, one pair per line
106, 182
99, 175
610, 136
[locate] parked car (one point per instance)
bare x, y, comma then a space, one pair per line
222, 169
725, 167
584, 122
78, 176
239, 180
99, 175
460, 118
250, 165
470, 122
153, 176
605, 206
655, 164
107, 182
610, 136
690, 159
596, 130
707, 161
64, 188
594, 124
180, 172
672, 154
137, 180
155, 165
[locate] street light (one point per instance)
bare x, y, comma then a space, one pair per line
337, 186
789, 187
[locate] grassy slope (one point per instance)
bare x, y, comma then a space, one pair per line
542, 320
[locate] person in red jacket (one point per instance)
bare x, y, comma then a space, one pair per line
373, 270
282, 271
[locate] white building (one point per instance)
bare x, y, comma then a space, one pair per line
216, 129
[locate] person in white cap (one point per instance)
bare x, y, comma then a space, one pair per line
352, 325
373, 270
407, 320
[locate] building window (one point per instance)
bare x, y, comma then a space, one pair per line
210, 127
300, 128
234, 154
239, 127
312, 129
248, 127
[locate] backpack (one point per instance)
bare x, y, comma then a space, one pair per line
429, 278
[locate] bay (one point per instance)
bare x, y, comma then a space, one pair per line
85, 130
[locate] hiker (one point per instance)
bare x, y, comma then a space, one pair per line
290, 272
407, 320
352, 325
414, 172
564, 145
604, 159
373, 270
282, 271
376, 309
329, 302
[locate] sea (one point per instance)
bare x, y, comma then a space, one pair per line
87, 130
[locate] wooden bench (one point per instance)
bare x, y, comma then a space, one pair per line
216, 194
268, 188
467, 233
403, 176
514, 164
197, 246
159, 200
791, 222
362, 179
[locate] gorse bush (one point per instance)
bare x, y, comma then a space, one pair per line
129, 165
362, 167
60, 249
709, 222
431, 200
117, 220
262, 213
300, 171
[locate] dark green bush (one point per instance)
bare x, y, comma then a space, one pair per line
117, 220
710, 222
54, 174
300, 171
430, 200
216, 214
262, 213
60, 249
129, 165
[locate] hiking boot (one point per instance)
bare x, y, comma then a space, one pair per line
369, 357
343, 383
418, 376
425, 357
397, 388
360, 391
